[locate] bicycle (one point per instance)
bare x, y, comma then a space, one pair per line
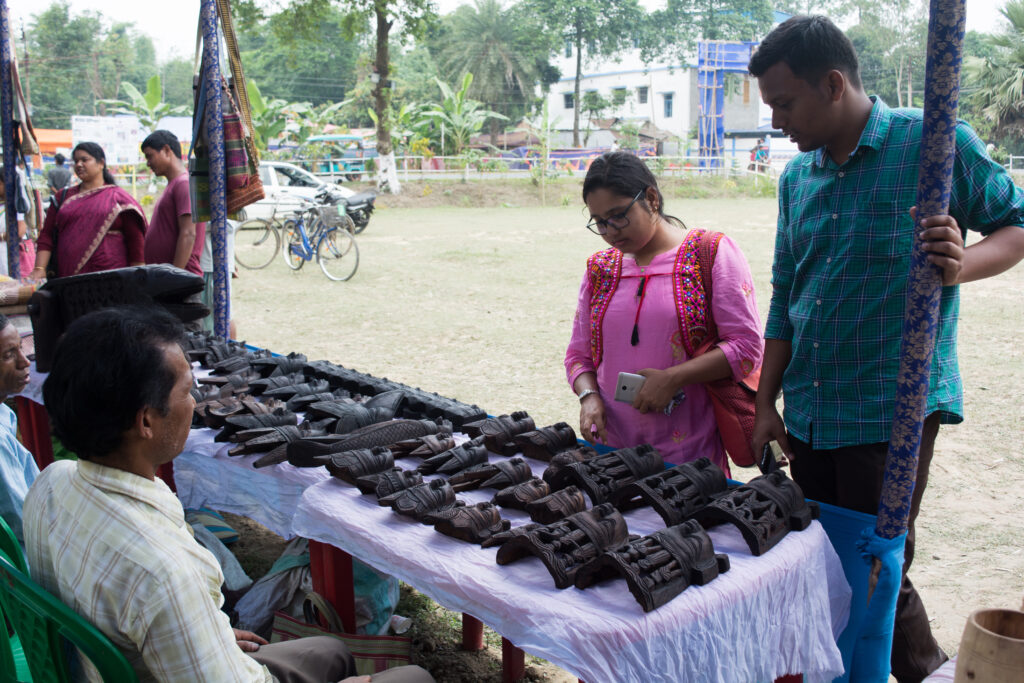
329, 240
257, 241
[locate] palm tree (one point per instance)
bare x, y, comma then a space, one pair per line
149, 107
1000, 79
505, 51
461, 115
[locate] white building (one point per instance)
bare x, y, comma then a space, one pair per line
664, 93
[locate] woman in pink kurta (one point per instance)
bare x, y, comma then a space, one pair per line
639, 327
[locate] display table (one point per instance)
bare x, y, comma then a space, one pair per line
765, 617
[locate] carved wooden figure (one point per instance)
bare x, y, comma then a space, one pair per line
517, 496
424, 446
764, 509
499, 432
601, 476
389, 481
568, 545
660, 566
556, 474
417, 501
470, 523
557, 505
491, 475
676, 493
544, 443
350, 465
312, 454
463, 456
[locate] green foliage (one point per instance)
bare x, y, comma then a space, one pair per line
890, 41
462, 116
675, 29
997, 82
78, 59
149, 107
507, 51
629, 136
270, 117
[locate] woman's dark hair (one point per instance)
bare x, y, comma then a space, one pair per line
624, 174
158, 139
96, 152
810, 47
106, 368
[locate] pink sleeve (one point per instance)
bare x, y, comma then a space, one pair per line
577, 356
734, 307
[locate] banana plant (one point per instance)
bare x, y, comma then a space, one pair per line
148, 107
461, 116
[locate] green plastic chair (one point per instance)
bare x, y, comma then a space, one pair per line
41, 625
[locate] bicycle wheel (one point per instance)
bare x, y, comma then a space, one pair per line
292, 238
338, 254
256, 243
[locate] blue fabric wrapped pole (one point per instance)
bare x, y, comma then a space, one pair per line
10, 153
214, 121
883, 546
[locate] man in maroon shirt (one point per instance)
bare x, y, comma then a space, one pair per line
172, 236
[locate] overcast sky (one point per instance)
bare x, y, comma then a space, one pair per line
174, 32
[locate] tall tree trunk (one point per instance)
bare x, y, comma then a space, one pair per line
910, 84
576, 91
387, 171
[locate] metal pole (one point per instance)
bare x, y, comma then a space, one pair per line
214, 121
10, 153
924, 287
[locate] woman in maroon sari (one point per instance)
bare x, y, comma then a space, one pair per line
93, 226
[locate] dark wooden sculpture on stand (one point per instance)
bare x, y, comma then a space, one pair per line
660, 566
301, 403
544, 443
261, 386
274, 441
238, 423
602, 476
557, 505
499, 432
470, 523
566, 546
764, 509
676, 493
506, 536
492, 475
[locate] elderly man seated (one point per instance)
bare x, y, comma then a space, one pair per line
109, 537
17, 468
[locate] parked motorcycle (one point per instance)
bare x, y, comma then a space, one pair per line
358, 205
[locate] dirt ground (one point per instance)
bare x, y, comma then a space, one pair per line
476, 303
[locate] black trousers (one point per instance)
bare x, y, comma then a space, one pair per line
851, 477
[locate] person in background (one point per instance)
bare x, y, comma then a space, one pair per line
172, 236
94, 225
628, 319
108, 537
20, 202
845, 237
58, 177
17, 466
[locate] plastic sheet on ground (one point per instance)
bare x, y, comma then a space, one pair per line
767, 616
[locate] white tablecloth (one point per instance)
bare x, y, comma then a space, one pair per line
205, 475
765, 617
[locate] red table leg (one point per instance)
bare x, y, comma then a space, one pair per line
34, 424
166, 472
472, 633
790, 678
513, 662
331, 570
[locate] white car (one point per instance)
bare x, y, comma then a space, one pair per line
285, 186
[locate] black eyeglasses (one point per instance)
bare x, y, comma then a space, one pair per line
620, 222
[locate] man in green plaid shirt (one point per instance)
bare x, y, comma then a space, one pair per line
842, 255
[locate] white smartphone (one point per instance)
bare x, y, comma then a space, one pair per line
627, 386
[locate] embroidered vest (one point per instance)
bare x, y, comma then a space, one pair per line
604, 269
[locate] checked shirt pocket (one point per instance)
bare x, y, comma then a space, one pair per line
882, 231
